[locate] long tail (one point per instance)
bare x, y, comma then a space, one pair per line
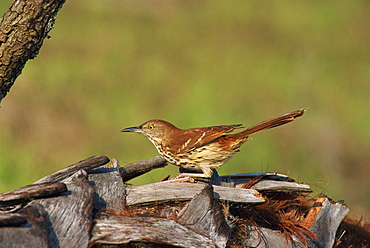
275, 122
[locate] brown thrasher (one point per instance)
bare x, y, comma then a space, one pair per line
206, 148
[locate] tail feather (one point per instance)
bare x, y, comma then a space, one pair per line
275, 122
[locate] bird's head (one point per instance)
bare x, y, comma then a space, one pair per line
154, 130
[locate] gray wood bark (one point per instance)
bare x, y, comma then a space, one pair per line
110, 192
327, 222
281, 186
204, 214
12, 219
138, 168
94, 212
168, 191
70, 215
34, 233
261, 237
268, 182
86, 164
26, 194
118, 229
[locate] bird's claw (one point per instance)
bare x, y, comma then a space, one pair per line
182, 178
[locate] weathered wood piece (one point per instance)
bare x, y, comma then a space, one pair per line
86, 164
261, 237
138, 168
110, 192
66, 219
281, 186
32, 234
161, 192
245, 177
70, 215
327, 222
311, 216
204, 214
268, 182
12, 219
250, 196
177, 192
118, 229
29, 192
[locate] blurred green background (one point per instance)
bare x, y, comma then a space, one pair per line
114, 64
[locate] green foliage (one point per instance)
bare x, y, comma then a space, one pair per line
114, 64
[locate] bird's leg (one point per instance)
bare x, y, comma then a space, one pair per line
182, 175
182, 179
187, 177
207, 173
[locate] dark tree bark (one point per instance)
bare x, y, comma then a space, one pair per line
23, 29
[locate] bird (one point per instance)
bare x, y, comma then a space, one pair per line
206, 148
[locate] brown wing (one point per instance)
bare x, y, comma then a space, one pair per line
190, 139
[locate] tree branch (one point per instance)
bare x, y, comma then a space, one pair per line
23, 29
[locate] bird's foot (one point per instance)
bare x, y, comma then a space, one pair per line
189, 177
181, 178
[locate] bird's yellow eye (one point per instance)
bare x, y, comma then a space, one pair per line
151, 127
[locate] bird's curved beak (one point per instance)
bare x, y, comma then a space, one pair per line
132, 129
